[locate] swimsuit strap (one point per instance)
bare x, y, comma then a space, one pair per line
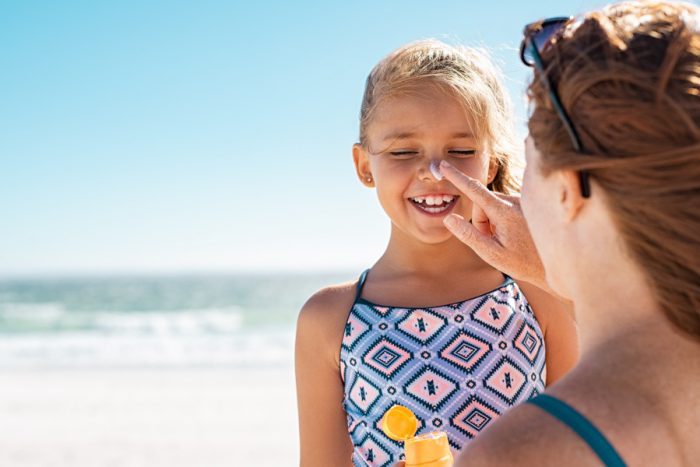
506, 278
582, 426
361, 284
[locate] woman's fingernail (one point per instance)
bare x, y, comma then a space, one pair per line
435, 170
445, 165
450, 221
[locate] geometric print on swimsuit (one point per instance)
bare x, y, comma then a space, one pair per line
466, 354
473, 416
514, 291
493, 314
356, 427
506, 379
374, 453
543, 374
379, 310
355, 329
363, 394
528, 342
422, 325
465, 351
386, 357
376, 310
431, 388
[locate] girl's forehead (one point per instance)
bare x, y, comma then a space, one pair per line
418, 115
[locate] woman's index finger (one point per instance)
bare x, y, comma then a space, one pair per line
474, 189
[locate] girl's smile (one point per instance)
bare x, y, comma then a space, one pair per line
436, 205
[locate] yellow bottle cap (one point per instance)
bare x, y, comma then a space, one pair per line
399, 423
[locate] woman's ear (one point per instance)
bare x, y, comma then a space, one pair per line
361, 160
570, 198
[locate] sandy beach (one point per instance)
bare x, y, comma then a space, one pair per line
148, 417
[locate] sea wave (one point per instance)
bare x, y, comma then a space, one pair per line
147, 321
47, 335
53, 317
90, 349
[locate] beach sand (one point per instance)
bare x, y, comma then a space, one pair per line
148, 417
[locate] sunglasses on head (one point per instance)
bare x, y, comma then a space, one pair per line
536, 37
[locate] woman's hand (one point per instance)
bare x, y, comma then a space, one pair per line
497, 232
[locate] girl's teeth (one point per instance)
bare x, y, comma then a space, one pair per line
434, 204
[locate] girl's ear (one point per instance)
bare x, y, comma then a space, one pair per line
361, 160
493, 170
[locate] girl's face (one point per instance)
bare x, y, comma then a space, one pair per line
406, 133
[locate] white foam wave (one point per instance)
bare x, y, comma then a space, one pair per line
89, 349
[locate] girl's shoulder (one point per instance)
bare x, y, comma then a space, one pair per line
322, 318
549, 310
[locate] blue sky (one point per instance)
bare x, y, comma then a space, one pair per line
210, 135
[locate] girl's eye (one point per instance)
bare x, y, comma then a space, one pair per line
402, 154
462, 153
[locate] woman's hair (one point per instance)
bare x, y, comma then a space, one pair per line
629, 78
467, 74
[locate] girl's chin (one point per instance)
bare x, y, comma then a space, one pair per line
437, 237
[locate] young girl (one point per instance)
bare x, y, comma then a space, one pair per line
430, 326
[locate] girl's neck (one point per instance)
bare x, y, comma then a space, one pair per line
406, 254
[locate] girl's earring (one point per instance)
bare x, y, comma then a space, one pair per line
369, 179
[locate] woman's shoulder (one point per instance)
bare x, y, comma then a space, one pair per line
526, 436
536, 435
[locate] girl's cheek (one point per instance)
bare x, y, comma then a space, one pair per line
474, 167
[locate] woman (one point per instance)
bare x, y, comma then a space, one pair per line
612, 198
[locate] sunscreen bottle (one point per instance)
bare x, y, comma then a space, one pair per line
428, 450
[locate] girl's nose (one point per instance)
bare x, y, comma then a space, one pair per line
432, 172
434, 168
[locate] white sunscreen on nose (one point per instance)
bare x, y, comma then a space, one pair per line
435, 169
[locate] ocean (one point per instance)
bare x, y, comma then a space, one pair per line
243, 320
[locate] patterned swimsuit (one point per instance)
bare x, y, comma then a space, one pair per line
457, 367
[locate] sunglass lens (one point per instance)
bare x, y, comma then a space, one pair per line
526, 54
542, 37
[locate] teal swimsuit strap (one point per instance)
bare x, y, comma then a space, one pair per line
580, 424
361, 284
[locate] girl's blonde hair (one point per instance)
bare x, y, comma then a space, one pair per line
629, 78
469, 75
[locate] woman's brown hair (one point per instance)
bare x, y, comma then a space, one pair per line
629, 78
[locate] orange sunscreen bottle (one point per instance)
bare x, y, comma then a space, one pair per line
428, 450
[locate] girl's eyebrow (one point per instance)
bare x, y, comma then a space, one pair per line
399, 135
411, 134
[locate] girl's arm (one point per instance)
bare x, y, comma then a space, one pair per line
323, 428
556, 318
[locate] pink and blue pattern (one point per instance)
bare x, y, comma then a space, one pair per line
457, 367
